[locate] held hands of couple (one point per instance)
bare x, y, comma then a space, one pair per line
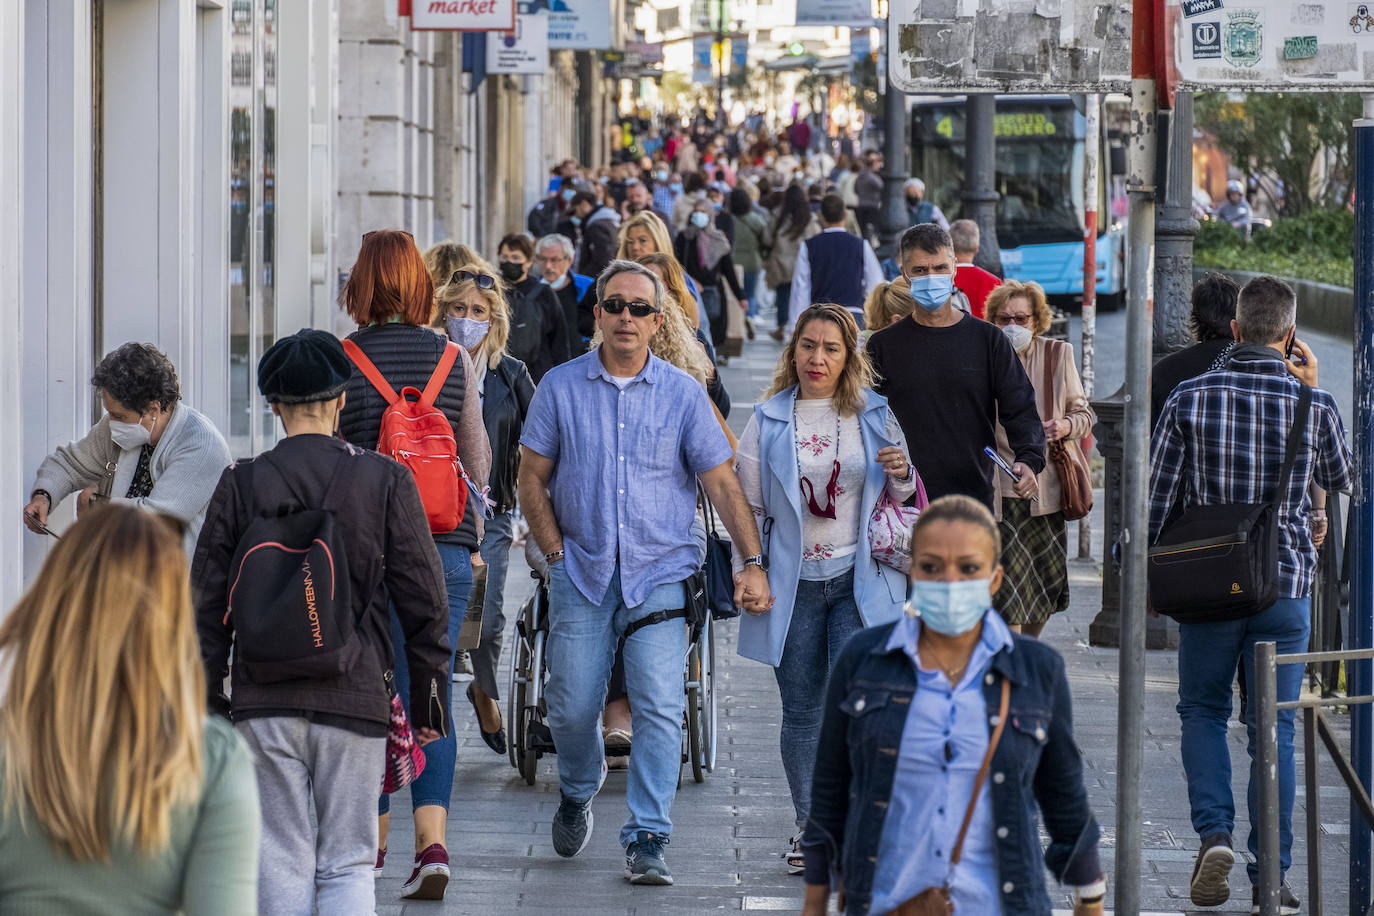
751, 591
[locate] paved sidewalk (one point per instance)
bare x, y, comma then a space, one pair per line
730, 830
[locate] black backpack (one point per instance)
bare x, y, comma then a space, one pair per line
289, 598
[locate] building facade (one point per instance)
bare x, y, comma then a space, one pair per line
198, 174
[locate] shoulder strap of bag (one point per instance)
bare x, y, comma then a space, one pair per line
982, 772
1295, 435
1052, 357
441, 371
370, 372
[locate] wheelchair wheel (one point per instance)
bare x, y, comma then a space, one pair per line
529, 757
708, 693
695, 709
515, 695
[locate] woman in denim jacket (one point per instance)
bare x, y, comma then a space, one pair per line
813, 461
908, 717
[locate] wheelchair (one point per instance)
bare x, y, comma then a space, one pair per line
526, 713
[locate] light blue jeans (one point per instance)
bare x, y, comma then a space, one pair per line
434, 785
1207, 657
582, 642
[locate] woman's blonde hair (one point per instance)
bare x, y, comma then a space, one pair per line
103, 720
886, 302
494, 344
1041, 316
442, 259
849, 398
649, 221
675, 284
676, 343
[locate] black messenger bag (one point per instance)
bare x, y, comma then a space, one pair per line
1218, 563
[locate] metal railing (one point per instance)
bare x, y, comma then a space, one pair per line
1267, 708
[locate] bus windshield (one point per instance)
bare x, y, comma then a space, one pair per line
1039, 166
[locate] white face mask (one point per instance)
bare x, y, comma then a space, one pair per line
129, 435
1020, 337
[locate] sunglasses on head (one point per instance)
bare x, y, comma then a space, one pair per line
483, 281
638, 307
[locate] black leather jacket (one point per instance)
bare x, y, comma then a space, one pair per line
506, 397
391, 560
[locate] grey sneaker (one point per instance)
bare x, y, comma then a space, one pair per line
644, 860
1208, 886
572, 825
1289, 904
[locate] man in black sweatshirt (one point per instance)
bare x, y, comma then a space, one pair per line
950, 378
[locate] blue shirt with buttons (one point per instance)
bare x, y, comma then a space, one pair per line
626, 457
943, 744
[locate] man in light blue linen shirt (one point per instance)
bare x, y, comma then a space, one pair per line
614, 443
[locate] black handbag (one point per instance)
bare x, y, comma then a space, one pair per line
717, 570
1218, 563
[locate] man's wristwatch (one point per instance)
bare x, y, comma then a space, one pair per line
758, 560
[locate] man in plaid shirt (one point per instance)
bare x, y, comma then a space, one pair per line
1220, 440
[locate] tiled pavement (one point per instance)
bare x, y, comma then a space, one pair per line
730, 830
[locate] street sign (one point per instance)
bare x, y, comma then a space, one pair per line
462, 15
1001, 46
834, 12
524, 49
1281, 45
583, 25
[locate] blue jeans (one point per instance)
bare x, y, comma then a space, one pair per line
1207, 657
435, 785
751, 291
824, 616
783, 297
582, 641
486, 658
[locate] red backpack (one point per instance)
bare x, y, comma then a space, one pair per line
419, 436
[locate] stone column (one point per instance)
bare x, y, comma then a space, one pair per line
980, 197
1175, 229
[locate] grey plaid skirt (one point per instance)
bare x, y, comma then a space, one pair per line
1035, 564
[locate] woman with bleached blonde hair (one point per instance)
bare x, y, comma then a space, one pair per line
119, 794
676, 285
474, 312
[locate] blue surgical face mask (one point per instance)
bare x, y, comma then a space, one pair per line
700, 219
467, 332
577, 220
569, 193
950, 608
932, 291
676, 187
661, 175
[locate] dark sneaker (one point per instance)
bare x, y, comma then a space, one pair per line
1214, 860
795, 863
572, 825
1289, 904
430, 877
381, 861
644, 860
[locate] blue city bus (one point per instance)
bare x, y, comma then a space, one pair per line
1039, 175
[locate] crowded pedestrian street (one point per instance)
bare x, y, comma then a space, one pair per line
727, 829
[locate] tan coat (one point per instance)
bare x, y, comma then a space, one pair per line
1069, 403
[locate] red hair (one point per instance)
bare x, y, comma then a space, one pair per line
389, 280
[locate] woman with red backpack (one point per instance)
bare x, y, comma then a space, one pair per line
391, 296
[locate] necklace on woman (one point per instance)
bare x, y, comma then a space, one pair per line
951, 674
807, 487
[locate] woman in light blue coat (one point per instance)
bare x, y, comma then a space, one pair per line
813, 462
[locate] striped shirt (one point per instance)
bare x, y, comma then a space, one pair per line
1220, 440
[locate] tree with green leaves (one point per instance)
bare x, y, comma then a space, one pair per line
1304, 139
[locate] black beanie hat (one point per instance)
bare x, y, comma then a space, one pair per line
308, 366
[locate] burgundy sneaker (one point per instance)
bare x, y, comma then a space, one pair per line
381, 861
430, 877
